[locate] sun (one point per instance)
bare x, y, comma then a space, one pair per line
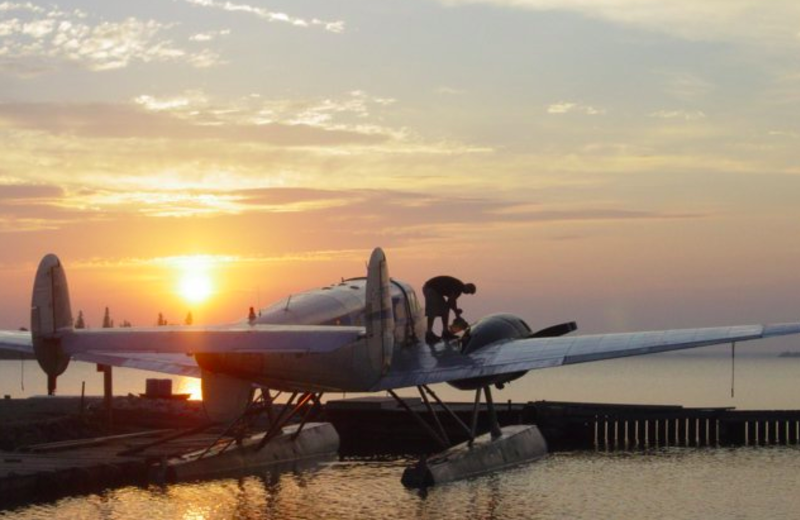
195, 281
191, 386
195, 287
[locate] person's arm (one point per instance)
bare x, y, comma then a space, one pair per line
452, 302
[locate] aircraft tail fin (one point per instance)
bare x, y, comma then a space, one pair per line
51, 315
379, 314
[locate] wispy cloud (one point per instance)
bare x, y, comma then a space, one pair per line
215, 261
686, 115
566, 107
43, 207
30, 207
685, 85
20, 6
204, 202
752, 21
35, 40
354, 114
24, 193
194, 117
270, 16
209, 35
784, 133
450, 91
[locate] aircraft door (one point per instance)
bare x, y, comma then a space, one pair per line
407, 314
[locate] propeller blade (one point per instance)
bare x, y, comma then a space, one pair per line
556, 330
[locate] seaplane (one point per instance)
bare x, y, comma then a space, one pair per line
363, 334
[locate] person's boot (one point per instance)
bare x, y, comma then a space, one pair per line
431, 338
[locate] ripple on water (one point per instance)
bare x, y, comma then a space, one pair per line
671, 483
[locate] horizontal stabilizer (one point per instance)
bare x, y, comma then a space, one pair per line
296, 339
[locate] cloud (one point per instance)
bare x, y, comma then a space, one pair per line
566, 107
343, 113
17, 6
686, 86
292, 200
525, 214
751, 21
270, 16
30, 207
172, 118
179, 261
27, 225
210, 35
450, 91
784, 133
400, 213
686, 115
36, 40
212, 201
25, 192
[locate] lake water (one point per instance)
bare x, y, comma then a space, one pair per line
757, 483
689, 379
675, 483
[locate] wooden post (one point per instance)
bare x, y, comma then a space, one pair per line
83, 397
108, 392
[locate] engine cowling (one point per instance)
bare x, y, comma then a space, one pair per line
225, 397
489, 330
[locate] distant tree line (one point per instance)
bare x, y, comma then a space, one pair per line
108, 322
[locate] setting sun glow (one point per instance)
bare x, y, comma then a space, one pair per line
195, 284
195, 287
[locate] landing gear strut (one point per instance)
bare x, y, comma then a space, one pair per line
498, 449
439, 434
239, 447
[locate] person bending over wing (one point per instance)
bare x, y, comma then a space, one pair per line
441, 296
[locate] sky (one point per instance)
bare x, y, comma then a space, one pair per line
630, 164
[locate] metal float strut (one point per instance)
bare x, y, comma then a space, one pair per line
420, 420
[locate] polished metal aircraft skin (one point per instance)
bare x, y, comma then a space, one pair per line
358, 335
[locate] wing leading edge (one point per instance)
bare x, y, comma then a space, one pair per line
18, 341
295, 339
418, 366
178, 364
167, 349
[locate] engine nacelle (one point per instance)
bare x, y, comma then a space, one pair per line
225, 397
489, 330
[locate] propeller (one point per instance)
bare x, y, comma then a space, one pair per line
555, 330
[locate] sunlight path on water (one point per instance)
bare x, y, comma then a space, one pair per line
672, 483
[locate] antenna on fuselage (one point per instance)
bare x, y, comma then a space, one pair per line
288, 301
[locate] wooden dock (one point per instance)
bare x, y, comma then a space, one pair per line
47, 471
373, 426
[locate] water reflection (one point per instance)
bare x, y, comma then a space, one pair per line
674, 483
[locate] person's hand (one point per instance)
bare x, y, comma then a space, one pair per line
458, 312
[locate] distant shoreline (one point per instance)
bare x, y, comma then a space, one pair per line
14, 355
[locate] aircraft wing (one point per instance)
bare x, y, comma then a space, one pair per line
178, 364
441, 363
168, 349
19, 341
290, 339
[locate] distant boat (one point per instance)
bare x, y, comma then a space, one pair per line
789, 354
